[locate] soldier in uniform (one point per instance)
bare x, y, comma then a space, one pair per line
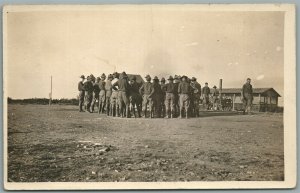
205, 95
176, 95
81, 93
123, 88
215, 95
247, 96
147, 91
184, 90
163, 96
108, 93
170, 98
102, 94
196, 94
135, 98
114, 104
156, 97
88, 87
95, 93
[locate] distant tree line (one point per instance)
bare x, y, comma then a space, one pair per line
43, 101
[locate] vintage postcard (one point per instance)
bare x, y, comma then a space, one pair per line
163, 96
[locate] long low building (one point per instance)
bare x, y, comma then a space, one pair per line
264, 99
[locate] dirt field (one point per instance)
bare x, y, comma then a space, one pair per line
58, 143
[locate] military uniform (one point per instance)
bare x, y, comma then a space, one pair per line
88, 87
123, 88
184, 89
108, 93
114, 104
95, 94
206, 93
195, 96
81, 94
156, 97
163, 97
215, 99
169, 88
247, 96
176, 95
146, 91
102, 94
135, 98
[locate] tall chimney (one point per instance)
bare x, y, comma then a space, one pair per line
220, 85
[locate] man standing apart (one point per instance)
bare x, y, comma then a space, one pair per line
147, 91
205, 95
247, 96
184, 90
81, 93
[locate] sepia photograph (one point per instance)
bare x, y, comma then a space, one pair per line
149, 96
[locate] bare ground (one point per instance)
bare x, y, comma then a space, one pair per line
60, 144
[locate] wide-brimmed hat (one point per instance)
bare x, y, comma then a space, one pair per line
98, 78
170, 78
155, 78
82, 76
185, 77
206, 83
110, 76
215, 86
248, 78
162, 79
193, 79
124, 75
103, 76
148, 77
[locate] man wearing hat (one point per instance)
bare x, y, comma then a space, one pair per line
163, 97
123, 88
108, 93
135, 98
184, 90
81, 93
88, 87
147, 91
114, 103
177, 80
196, 94
170, 98
156, 97
205, 95
215, 95
102, 94
95, 93
247, 96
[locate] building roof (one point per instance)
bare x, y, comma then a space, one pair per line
262, 91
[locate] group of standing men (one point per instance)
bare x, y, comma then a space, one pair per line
121, 96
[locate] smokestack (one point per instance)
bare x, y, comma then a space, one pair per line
220, 85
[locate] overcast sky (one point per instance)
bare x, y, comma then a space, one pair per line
207, 45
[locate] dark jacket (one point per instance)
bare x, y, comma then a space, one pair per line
184, 88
